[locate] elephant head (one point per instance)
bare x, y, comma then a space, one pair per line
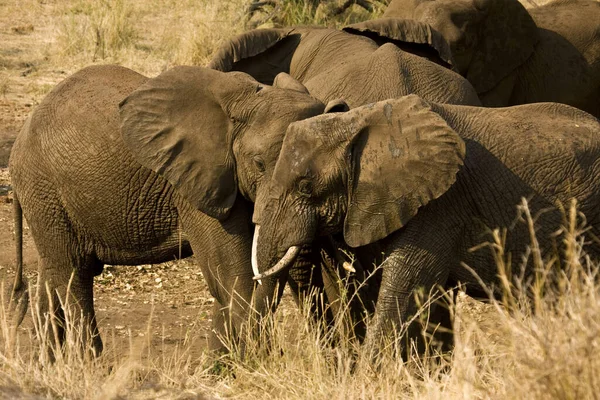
488, 38
211, 133
365, 172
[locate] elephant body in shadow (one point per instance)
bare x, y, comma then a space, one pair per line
513, 55
335, 64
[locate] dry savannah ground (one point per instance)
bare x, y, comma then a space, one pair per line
155, 318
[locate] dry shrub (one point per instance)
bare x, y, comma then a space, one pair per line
332, 13
96, 30
146, 36
539, 341
152, 36
193, 30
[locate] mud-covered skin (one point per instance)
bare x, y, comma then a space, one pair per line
336, 64
365, 63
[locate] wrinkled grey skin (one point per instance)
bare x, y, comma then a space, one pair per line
334, 64
103, 180
512, 55
372, 61
426, 183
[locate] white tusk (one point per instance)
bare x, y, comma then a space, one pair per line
254, 258
286, 260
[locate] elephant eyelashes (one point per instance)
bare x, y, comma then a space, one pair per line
305, 188
259, 164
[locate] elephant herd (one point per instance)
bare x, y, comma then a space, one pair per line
403, 140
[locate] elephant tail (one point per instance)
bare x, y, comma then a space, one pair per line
19, 295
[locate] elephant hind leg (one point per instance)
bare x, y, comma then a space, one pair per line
65, 315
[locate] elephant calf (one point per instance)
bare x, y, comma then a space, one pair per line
426, 182
111, 164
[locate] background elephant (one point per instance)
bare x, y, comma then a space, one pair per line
333, 64
512, 55
102, 180
427, 183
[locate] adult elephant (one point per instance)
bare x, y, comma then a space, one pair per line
333, 64
512, 55
111, 166
427, 182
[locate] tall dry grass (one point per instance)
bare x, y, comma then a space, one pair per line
537, 342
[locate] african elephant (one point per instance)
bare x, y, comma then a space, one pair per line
112, 166
427, 182
339, 65
512, 55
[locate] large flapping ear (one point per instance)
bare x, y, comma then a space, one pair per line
410, 35
506, 39
175, 125
261, 53
403, 156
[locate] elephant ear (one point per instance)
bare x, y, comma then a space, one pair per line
403, 156
261, 53
410, 35
175, 125
506, 39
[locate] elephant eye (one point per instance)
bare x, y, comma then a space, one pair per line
305, 187
259, 164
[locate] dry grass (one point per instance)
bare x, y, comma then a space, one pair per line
537, 346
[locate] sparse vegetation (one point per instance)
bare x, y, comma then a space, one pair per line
540, 346
522, 346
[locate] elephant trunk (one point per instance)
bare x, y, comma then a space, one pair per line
285, 262
282, 264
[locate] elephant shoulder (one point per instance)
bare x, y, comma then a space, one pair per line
574, 20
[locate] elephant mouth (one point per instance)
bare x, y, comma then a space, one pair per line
282, 264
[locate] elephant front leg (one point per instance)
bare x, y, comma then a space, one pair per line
223, 252
413, 267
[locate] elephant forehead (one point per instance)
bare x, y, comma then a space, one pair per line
301, 153
270, 117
